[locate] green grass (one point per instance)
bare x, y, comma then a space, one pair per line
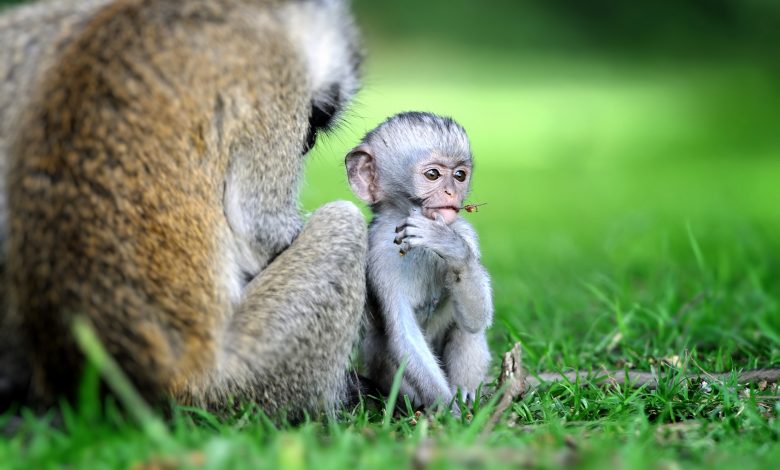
631, 216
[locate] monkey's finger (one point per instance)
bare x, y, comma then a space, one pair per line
411, 231
406, 232
404, 225
405, 236
412, 242
405, 247
414, 221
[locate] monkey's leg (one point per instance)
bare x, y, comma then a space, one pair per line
466, 359
289, 344
381, 368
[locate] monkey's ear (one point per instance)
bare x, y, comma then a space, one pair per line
362, 174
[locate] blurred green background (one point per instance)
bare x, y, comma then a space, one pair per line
629, 156
628, 153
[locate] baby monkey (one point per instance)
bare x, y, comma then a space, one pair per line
429, 297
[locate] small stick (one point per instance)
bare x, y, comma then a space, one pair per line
647, 379
511, 383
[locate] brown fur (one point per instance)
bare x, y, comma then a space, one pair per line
117, 186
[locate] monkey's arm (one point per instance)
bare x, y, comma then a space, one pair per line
289, 343
467, 280
470, 285
423, 373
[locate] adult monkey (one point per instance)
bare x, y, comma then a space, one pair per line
152, 187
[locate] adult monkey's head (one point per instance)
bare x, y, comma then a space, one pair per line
332, 60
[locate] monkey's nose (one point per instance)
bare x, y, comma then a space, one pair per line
447, 192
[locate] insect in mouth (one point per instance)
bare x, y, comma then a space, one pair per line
472, 207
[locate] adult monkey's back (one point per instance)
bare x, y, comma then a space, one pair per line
153, 188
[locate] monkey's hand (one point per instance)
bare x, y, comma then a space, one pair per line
467, 278
435, 235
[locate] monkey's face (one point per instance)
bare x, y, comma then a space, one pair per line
441, 183
321, 119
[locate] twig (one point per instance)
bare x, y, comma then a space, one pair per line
511, 385
643, 379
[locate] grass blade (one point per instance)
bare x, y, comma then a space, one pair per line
695, 247
394, 390
116, 379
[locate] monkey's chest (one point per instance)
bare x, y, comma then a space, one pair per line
426, 311
428, 295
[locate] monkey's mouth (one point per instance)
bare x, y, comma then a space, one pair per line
449, 213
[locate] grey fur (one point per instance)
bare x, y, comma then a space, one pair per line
166, 209
430, 307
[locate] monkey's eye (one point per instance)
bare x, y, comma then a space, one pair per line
432, 174
460, 175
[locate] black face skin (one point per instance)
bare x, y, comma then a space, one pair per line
322, 116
